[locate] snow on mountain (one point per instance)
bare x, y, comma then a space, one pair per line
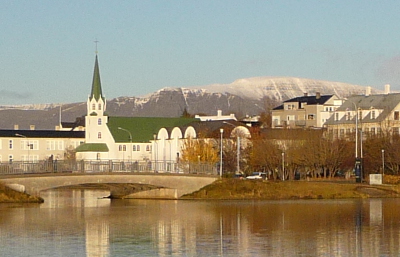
283, 88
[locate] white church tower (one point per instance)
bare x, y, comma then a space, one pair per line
97, 134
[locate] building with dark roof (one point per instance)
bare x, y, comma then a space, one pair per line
305, 111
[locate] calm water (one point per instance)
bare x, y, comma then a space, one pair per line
80, 223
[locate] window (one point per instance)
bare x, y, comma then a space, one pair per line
99, 106
348, 116
396, 115
122, 148
310, 116
98, 156
373, 131
148, 148
99, 121
134, 148
93, 106
99, 135
10, 158
10, 144
372, 114
336, 116
138, 148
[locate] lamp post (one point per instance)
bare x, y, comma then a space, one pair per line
237, 149
283, 166
29, 146
130, 140
220, 153
383, 162
155, 152
358, 161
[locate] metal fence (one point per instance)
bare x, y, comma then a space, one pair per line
89, 166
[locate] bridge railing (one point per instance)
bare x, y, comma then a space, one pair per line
90, 166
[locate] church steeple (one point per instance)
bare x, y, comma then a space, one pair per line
96, 104
96, 84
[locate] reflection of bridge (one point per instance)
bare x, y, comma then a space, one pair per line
166, 186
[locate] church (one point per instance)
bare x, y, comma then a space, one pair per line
140, 143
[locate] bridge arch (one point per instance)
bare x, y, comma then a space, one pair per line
168, 186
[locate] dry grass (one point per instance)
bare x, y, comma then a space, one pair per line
246, 189
8, 195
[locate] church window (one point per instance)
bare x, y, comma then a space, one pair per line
134, 148
93, 106
11, 144
99, 121
99, 135
99, 106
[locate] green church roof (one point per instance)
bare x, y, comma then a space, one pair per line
96, 84
142, 129
92, 147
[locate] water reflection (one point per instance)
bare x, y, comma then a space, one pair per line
81, 222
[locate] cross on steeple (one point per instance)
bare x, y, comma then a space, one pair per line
96, 41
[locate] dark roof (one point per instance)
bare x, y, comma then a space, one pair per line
142, 128
42, 133
79, 122
310, 100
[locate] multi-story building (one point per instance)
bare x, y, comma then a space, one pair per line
305, 111
372, 114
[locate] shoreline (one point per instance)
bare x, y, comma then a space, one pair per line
238, 189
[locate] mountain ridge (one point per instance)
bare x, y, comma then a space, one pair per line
247, 96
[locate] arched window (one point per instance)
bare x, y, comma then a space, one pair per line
138, 148
99, 135
99, 121
134, 148
99, 106
93, 106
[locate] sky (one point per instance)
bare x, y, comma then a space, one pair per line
47, 48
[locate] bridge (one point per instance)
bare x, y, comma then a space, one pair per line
142, 185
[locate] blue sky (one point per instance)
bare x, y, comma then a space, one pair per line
47, 50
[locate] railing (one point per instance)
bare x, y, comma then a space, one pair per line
90, 166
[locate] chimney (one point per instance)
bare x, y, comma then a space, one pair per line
317, 95
16, 127
305, 94
387, 89
368, 91
219, 113
32, 127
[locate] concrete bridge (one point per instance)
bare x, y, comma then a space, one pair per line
150, 185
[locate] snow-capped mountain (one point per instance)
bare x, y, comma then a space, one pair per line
283, 88
249, 96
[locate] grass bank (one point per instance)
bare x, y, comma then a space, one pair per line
8, 195
230, 189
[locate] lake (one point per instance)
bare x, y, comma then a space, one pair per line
83, 223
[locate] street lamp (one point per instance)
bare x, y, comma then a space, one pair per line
237, 149
220, 153
358, 161
29, 146
155, 152
383, 162
283, 166
130, 140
